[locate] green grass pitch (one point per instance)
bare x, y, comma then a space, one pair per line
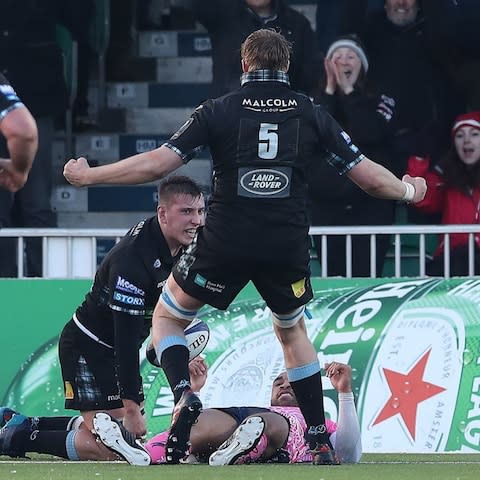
372, 467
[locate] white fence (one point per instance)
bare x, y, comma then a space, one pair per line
72, 253
67, 253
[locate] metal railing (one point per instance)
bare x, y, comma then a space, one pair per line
72, 253
397, 231
67, 253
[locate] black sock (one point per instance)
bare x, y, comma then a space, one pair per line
51, 423
174, 362
49, 442
309, 393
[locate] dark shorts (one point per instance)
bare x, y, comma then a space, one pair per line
215, 274
88, 371
241, 413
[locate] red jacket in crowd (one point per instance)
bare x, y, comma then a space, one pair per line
456, 207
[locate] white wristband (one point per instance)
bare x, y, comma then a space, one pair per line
409, 192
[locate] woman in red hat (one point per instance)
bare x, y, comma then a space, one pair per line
454, 192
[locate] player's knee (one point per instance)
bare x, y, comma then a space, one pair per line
86, 447
276, 429
290, 319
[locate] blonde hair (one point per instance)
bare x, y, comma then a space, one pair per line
266, 49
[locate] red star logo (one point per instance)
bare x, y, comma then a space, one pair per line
407, 391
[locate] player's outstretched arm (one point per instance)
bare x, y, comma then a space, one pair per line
379, 182
348, 439
141, 168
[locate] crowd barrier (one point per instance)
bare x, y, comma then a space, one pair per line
75, 253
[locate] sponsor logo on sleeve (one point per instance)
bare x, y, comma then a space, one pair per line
128, 300
126, 286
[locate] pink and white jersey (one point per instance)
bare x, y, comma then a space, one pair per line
296, 447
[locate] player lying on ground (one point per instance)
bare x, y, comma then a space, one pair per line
237, 435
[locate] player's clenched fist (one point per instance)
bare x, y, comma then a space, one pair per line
76, 171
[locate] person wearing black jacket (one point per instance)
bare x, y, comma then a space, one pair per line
334, 200
454, 36
229, 22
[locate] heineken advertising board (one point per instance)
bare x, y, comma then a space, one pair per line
413, 344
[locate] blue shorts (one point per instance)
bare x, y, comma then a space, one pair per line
241, 413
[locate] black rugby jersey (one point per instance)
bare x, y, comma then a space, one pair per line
129, 280
262, 138
8, 98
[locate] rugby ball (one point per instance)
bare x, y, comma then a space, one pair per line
196, 334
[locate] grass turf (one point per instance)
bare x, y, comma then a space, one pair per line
373, 466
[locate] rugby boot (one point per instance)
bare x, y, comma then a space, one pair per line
118, 439
14, 436
323, 454
185, 414
245, 445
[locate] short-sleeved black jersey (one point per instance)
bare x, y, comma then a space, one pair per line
129, 280
8, 98
262, 139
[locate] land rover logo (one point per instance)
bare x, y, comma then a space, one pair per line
264, 181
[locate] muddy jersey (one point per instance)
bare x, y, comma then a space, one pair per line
129, 280
8, 98
262, 138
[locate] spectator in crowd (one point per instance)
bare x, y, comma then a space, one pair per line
454, 192
334, 200
238, 435
98, 347
229, 22
403, 66
32, 61
18, 141
330, 14
453, 33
